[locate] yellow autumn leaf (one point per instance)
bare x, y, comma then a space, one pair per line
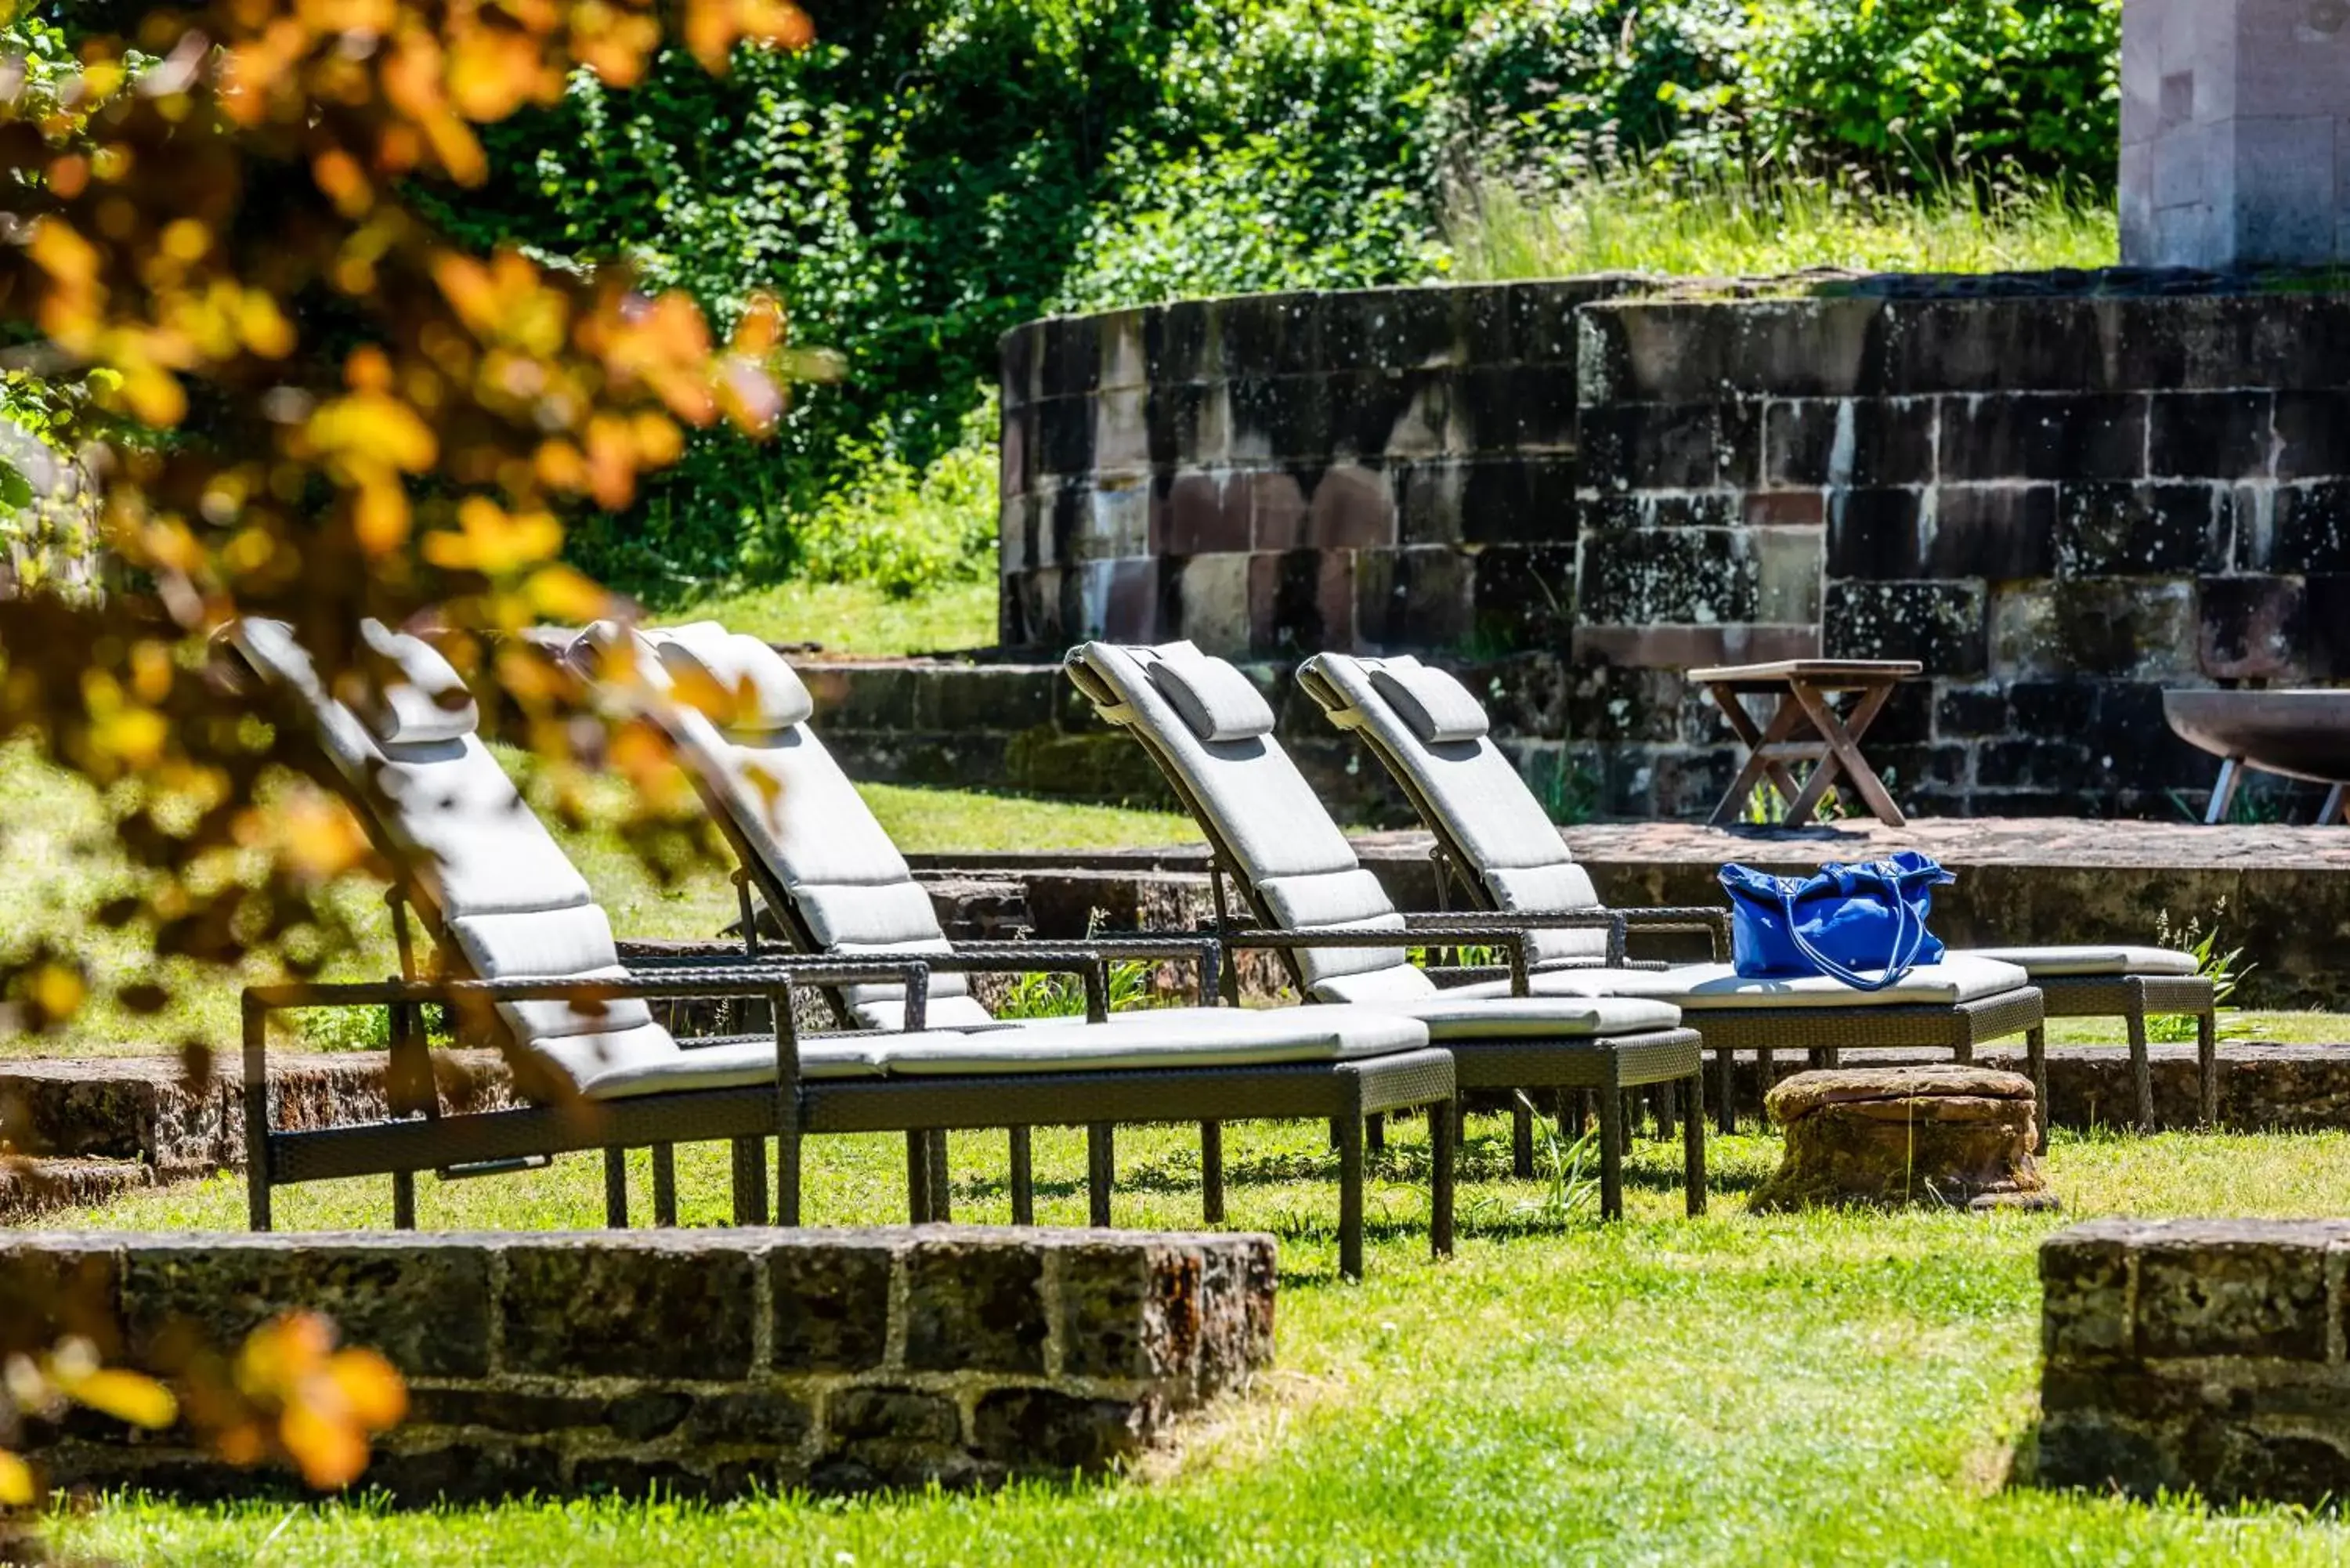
16, 1487
126, 1396
565, 596
57, 991
374, 427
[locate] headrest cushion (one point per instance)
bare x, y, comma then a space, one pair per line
592, 653
751, 691
412, 696
1216, 702
1431, 703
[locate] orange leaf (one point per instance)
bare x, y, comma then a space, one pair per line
330, 1452
371, 1388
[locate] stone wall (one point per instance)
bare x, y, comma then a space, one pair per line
2196, 1354
702, 1363
2062, 493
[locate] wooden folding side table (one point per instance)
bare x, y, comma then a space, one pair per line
1806, 727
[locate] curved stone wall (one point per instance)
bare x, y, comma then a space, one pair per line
2062, 493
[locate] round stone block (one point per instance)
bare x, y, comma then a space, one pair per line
1956, 1136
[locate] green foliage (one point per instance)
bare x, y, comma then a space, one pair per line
937, 171
1064, 995
2213, 964
904, 529
1686, 225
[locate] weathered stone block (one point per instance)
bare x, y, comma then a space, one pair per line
1043, 1429
1876, 536
2006, 436
2251, 627
1528, 501
1938, 624
1125, 1314
1650, 446
213, 1290
1850, 442
2210, 435
974, 1307
2084, 1282
1280, 418
767, 1419
1999, 532
1669, 575
50, 1287
2312, 531
526, 1412
2140, 530
1412, 598
2245, 1288
1300, 601
570, 1308
831, 1305
1522, 597
1272, 334
2313, 434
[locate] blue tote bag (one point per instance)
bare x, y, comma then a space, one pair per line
1841, 923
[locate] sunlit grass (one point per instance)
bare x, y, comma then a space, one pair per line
1740, 1389
854, 618
1690, 226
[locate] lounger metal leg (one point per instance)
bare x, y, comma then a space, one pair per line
941, 1181
750, 1181
1667, 1096
787, 1178
2336, 807
2141, 1067
403, 1201
1350, 1198
1565, 1105
1374, 1133
2207, 1061
1766, 1072
1444, 1156
256, 1119
1024, 1177
616, 1188
2035, 1048
1211, 1172
1964, 1053
1727, 1060
1693, 1145
1522, 1141
1101, 1171
1611, 1153
665, 1186
2223, 791
917, 1179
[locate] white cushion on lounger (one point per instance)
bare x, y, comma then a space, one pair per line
1216, 700
1509, 840
2090, 960
764, 695
1350, 898
742, 1063
421, 698
551, 944
793, 813
1439, 709
1459, 1015
1261, 808
1697, 986
1172, 1037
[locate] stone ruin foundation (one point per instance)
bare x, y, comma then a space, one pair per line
698, 1363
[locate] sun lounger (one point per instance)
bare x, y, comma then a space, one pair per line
1429, 732
828, 875
1211, 732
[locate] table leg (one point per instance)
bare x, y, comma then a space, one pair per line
2223, 791
1842, 739
1760, 762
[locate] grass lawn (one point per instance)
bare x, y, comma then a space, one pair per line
856, 618
1735, 1390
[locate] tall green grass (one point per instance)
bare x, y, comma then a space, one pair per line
1653, 221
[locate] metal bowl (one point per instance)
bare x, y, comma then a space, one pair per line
2301, 734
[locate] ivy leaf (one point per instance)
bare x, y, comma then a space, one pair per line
15, 490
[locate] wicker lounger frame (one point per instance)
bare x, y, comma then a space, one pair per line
2131, 997
792, 1108
1564, 1063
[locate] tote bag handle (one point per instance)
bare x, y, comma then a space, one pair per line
1899, 959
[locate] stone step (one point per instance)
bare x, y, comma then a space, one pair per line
30, 1187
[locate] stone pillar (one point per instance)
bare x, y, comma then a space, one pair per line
2235, 132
